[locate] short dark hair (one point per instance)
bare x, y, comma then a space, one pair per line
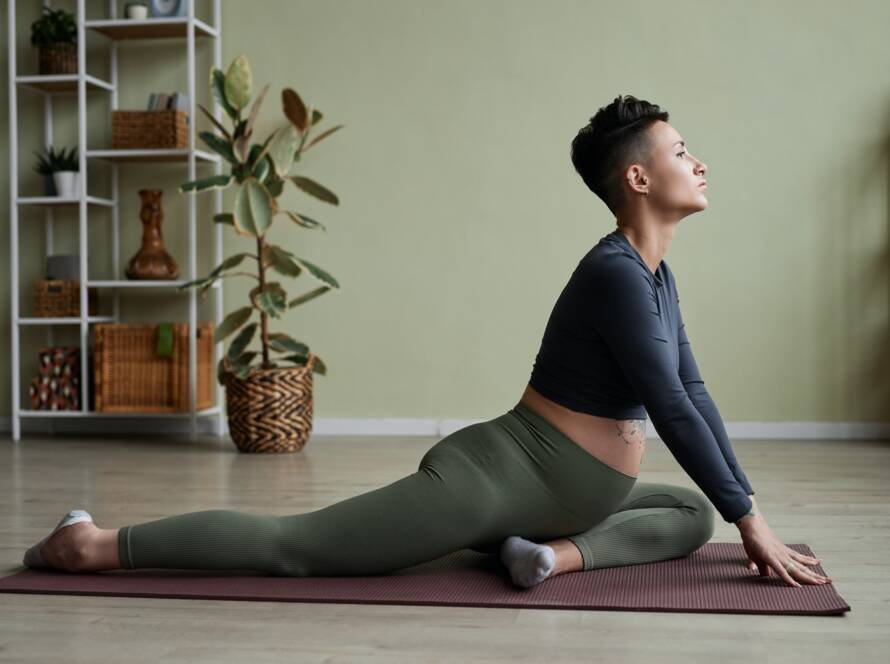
613, 139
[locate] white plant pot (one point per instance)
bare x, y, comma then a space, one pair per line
67, 183
137, 10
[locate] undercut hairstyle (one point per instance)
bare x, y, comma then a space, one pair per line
615, 138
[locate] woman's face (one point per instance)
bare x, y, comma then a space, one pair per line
674, 176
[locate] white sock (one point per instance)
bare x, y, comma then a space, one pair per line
32, 556
529, 563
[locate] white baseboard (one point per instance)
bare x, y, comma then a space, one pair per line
422, 427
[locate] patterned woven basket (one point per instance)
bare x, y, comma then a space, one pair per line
136, 130
130, 376
270, 411
58, 58
61, 298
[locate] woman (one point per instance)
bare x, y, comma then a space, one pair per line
551, 485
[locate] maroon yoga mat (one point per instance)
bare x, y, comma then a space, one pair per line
713, 579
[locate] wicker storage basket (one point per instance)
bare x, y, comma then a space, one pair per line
270, 411
130, 376
135, 130
61, 298
58, 58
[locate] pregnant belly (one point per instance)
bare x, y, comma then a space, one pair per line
619, 444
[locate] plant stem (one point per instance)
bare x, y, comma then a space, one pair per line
264, 329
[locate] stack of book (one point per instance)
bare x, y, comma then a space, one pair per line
158, 101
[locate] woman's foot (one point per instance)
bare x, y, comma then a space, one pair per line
529, 563
76, 545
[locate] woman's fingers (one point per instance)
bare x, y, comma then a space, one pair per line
821, 577
792, 576
801, 558
779, 567
805, 575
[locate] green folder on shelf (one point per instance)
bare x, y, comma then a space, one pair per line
165, 339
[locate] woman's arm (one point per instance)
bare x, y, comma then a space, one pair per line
624, 312
701, 399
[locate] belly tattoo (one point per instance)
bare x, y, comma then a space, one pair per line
632, 432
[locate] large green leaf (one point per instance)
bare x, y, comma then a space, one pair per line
282, 148
240, 342
219, 145
314, 270
239, 129
242, 360
230, 262
274, 184
253, 208
217, 89
254, 109
312, 188
216, 122
270, 298
262, 169
241, 364
322, 136
258, 163
213, 182
195, 282
252, 160
239, 82
284, 343
318, 366
280, 261
303, 220
231, 323
305, 297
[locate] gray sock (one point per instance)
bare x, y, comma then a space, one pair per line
32, 556
529, 563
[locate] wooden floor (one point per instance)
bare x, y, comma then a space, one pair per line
834, 496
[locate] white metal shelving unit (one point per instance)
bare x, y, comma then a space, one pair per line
115, 29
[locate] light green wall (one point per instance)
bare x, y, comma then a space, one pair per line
461, 216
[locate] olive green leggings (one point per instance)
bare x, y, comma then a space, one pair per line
513, 475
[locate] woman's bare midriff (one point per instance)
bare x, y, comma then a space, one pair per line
617, 443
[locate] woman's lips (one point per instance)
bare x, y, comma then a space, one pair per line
703, 184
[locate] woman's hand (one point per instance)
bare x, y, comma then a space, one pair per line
768, 554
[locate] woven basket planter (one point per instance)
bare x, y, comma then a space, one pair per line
270, 411
58, 58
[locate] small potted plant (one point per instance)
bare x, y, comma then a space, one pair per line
55, 36
268, 398
60, 171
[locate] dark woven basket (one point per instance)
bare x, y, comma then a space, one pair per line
270, 411
58, 58
61, 298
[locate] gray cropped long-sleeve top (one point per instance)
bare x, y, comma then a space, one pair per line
615, 346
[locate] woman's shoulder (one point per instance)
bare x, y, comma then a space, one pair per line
611, 265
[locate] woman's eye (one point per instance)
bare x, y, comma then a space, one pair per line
680, 153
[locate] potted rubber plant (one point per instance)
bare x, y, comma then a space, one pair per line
60, 171
55, 36
269, 389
